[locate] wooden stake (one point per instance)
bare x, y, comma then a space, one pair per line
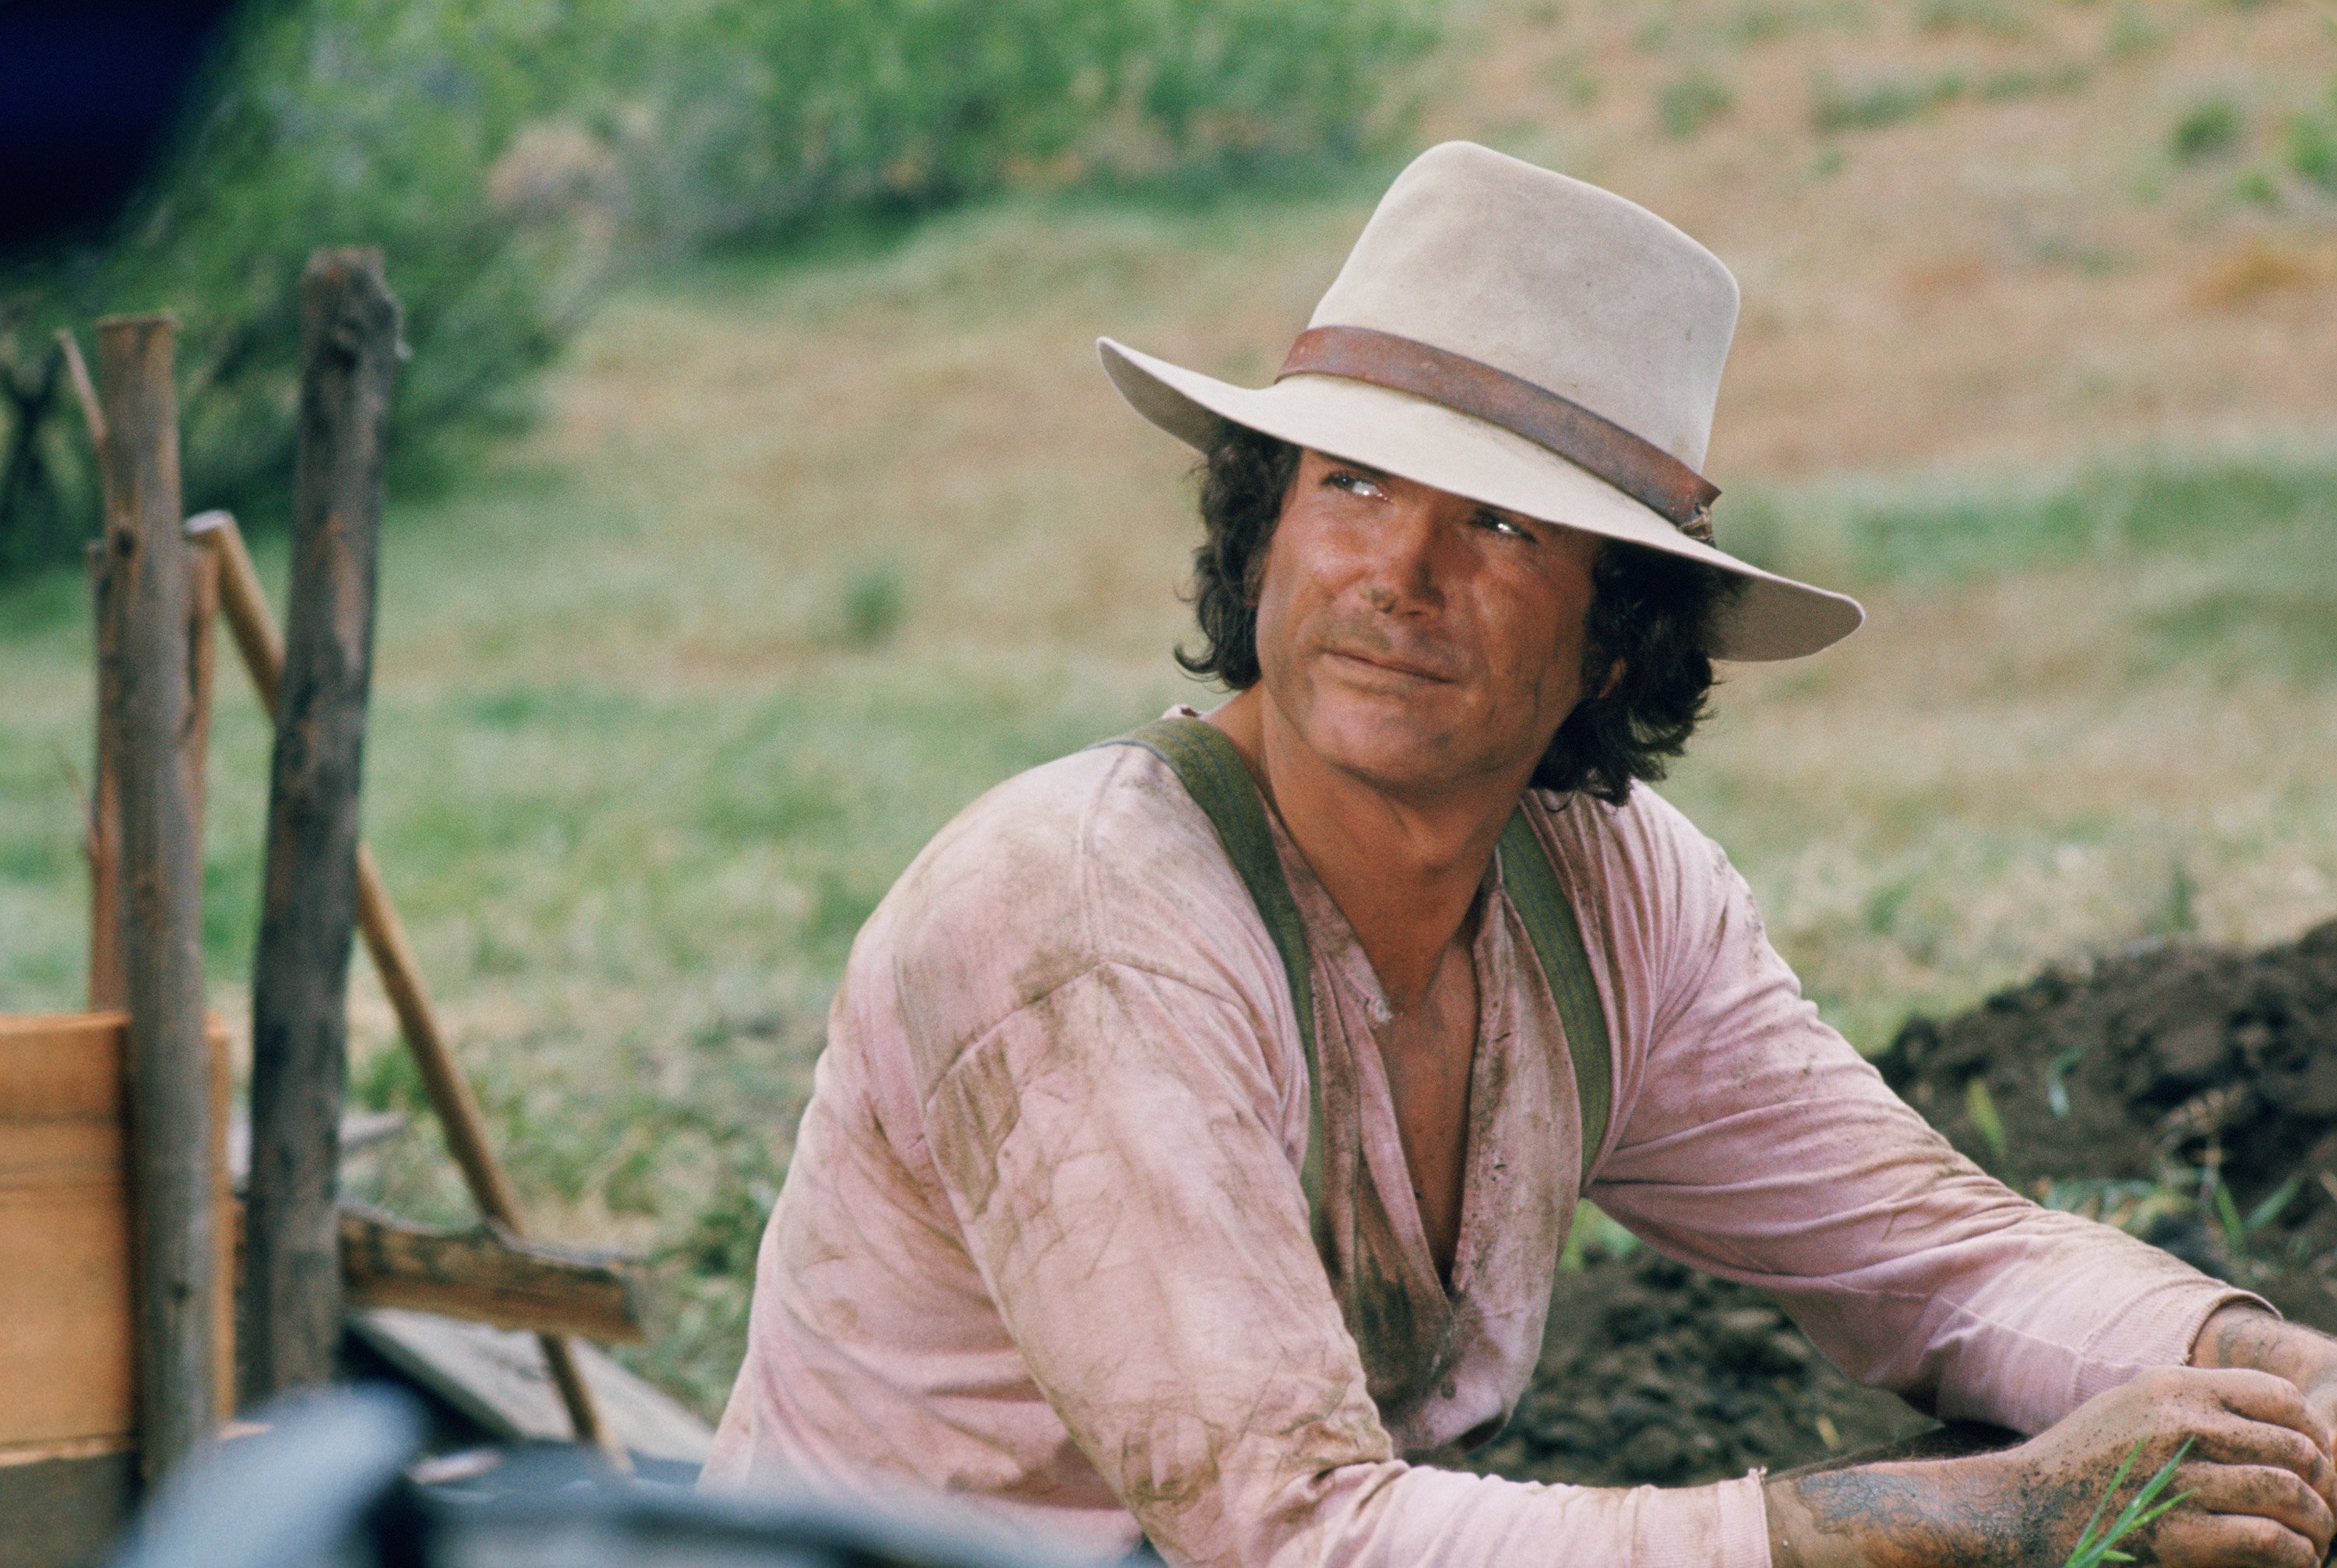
93, 412
299, 988
202, 643
245, 604
109, 983
160, 892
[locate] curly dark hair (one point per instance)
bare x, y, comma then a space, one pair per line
1651, 618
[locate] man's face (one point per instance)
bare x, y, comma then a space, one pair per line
1418, 641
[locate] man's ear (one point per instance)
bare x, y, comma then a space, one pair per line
1614, 678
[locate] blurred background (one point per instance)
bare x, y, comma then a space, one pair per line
759, 502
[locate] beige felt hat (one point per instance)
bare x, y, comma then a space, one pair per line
1527, 340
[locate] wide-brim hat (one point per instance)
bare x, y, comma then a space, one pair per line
1526, 340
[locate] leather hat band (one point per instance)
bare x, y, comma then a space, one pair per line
1639, 470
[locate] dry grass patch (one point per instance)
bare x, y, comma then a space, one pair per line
2020, 145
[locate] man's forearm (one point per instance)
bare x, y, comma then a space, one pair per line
2021, 1508
1967, 1513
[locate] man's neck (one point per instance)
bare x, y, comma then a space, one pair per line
1404, 870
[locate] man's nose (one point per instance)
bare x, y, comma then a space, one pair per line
1401, 574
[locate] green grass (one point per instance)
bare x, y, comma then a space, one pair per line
809, 554
1869, 105
2208, 129
1994, 18
2312, 149
1690, 102
2273, 511
2097, 1546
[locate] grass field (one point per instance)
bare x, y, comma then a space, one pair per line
808, 552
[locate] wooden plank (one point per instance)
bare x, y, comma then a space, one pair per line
497, 1379
66, 1358
299, 991
486, 1278
52, 1064
174, 1207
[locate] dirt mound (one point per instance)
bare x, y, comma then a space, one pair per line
2189, 1093
1653, 1373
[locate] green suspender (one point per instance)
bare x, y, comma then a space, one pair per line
1532, 883
1213, 774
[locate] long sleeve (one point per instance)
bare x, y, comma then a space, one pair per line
1753, 1142
1116, 1155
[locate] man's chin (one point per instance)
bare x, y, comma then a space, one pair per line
1382, 744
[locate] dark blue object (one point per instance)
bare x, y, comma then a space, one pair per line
291, 1495
326, 1485
88, 91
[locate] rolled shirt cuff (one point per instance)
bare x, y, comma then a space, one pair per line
2158, 1330
1743, 1522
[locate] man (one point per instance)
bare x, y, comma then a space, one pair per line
1202, 1117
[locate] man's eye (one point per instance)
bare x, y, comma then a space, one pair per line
1352, 483
1500, 525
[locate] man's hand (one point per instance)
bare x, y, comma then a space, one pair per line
2243, 1336
2258, 1471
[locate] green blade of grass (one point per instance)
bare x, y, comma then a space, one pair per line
2272, 1208
2235, 1230
2118, 1479
2089, 1551
2056, 1094
1981, 1105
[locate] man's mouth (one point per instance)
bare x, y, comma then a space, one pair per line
1389, 663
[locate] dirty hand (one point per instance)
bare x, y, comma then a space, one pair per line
2258, 1471
2243, 1336
2262, 1488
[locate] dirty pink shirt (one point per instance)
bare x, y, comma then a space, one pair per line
1044, 1243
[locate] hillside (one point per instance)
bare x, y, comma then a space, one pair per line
1967, 230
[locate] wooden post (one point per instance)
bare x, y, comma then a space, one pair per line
108, 987
160, 892
299, 988
109, 983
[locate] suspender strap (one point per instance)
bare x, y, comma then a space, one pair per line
1212, 772
1532, 883
1214, 776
